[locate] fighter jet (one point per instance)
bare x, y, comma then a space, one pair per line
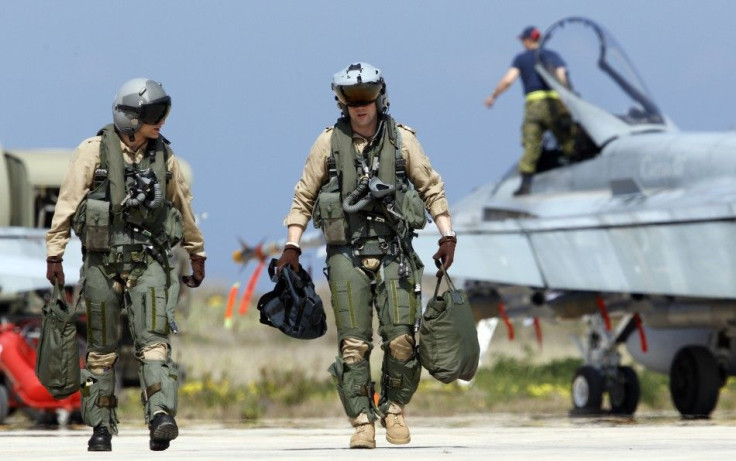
637, 226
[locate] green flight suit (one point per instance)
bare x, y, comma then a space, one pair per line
388, 283
126, 267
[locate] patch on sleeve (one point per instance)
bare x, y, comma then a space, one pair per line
407, 128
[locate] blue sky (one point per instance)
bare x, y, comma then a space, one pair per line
250, 83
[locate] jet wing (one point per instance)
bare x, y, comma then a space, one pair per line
674, 242
23, 260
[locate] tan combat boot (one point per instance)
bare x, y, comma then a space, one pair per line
397, 432
365, 433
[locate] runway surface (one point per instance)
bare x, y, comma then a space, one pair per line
484, 437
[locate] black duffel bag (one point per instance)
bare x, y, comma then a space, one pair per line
448, 342
294, 307
57, 356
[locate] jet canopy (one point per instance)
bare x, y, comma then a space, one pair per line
605, 93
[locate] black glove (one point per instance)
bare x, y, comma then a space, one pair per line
290, 256
54, 270
197, 276
445, 254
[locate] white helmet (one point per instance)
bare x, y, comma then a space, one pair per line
137, 102
359, 84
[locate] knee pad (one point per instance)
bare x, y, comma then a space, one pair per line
98, 399
354, 350
99, 363
158, 351
401, 347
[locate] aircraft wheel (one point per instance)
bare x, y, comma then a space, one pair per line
694, 382
625, 392
4, 404
587, 391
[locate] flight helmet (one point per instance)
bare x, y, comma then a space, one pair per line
358, 84
293, 306
139, 101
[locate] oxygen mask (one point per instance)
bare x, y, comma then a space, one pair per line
143, 189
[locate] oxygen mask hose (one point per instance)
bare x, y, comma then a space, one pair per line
360, 194
144, 185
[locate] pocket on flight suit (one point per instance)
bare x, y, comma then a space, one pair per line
99, 325
342, 304
402, 303
155, 302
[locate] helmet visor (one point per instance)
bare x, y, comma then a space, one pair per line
151, 113
155, 111
358, 95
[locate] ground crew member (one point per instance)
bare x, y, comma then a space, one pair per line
125, 197
543, 109
368, 184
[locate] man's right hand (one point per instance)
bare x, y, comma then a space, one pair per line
54, 270
290, 256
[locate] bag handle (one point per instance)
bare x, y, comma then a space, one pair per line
56, 294
453, 290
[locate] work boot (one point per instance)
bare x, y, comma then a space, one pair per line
101, 439
365, 433
397, 432
163, 430
526, 185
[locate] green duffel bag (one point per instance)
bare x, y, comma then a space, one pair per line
57, 357
448, 342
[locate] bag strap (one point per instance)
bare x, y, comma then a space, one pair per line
453, 291
56, 294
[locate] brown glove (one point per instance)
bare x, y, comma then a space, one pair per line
445, 254
290, 256
54, 270
197, 276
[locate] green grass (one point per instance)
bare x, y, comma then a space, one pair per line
507, 385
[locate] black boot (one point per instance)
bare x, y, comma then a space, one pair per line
101, 439
163, 430
526, 185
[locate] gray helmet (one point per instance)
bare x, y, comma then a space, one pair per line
358, 84
137, 102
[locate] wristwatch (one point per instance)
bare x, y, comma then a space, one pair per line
450, 233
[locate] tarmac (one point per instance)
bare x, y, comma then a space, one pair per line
482, 437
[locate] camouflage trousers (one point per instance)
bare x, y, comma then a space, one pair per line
356, 290
539, 116
103, 297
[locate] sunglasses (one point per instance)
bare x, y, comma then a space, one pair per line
151, 113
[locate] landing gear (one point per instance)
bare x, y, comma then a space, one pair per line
590, 384
695, 382
624, 392
587, 391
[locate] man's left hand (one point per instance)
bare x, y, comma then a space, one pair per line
445, 254
197, 276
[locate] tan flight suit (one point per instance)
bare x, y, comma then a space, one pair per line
359, 284
145, 298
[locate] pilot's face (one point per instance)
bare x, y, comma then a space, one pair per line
152, 131
363, 119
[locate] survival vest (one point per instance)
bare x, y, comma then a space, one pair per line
103, 221
374, 222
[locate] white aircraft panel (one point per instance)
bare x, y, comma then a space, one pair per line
499, 257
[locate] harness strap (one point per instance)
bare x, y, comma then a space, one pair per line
107, 401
